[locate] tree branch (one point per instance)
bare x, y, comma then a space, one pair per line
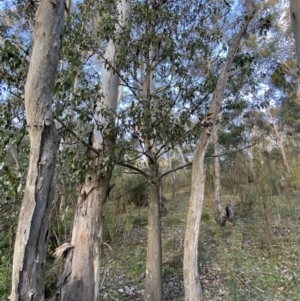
231, 153
211, 156
118, 197
77, 137
134, 168
175, 169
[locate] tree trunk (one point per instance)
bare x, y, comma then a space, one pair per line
31, 238
295, 19
190, 263
153, 281
283, 154
221, 212
80, 279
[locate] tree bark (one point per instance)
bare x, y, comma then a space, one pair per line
31, 238
295, 19
80, 279
282, 149
221, 212
190, 264
153, 281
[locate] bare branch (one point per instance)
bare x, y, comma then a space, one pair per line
134, 168
118, 197
231, 153
175, 169
77, 137
211, 156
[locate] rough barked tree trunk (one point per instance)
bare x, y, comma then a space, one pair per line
295, 18
221, 212
31, 238
190, 262
80, 279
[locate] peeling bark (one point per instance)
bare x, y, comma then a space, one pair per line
190, 263
80, 280
31, 238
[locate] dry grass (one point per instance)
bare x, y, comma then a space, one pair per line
235, 263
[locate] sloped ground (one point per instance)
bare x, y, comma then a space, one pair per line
257, 259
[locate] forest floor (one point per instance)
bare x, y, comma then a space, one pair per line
257, 259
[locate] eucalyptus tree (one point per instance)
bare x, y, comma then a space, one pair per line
165, 99
229, 135
80, 279
277, 64
262, 51
190, 267
220, 208
31, 237
72, 102
15, 41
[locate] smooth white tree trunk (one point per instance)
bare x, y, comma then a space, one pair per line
192, 285
220, 209
80, 279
